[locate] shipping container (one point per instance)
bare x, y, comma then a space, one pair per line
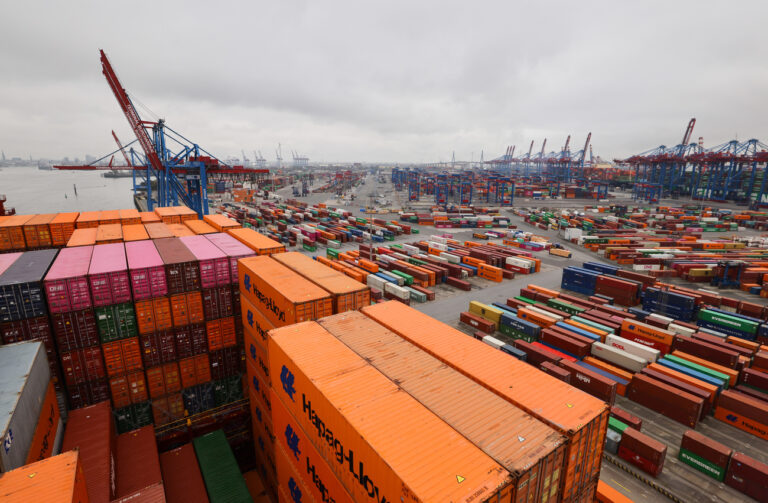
190, 340
221, 222
618, 357
82, 365
629, 419
62, 226
181, 474
87, 393
134, 232
109, 233
180, 230
187, 308
648, 335
232, 248
666, 400
158, 347
21, 286
163, 380
59, 479
281, 294
12, 233
704, 454
37, 234
220, 472
91, 430
194, 370
122, 356
743, 412
167, 409
128, 389
182, 273
347, 294
583, 420
338, 388
642, 451
200, 227
259, 243
24, 376
108, 275
214, 263
146, 270
591, 382
158, 230
133, 417
154, 315
634, 348
749, 476
485, 419
49, 429
218, 302
138, 464
82, 237
684, 386
66, 283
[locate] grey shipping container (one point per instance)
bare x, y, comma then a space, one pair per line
21, 286
24, 378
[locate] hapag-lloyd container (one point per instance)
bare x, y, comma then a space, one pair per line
138, 464
91, 430
327, 387
181, 476
21, 286
579, 416
531, 451
24, 377
66, 284
255, 331
743, 412
182, 273
54, 480
348, 294
304, 457
108, 275
146, 270
214, 263
232, 248
281, 294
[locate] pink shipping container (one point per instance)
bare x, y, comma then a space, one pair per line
146, 270
214, 263
232, 248
6, 259
66, 284
108, 275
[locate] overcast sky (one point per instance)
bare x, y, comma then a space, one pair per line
384, 81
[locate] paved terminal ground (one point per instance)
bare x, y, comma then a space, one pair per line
678, 482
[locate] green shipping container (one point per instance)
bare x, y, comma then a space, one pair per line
309, 247
414, 231
697, 462
699, 368
525, 299
116, 322
407, 277
564, 306
133, 416
725, 320
331, 253
223, 481
616, 425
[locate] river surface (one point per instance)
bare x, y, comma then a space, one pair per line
31, 190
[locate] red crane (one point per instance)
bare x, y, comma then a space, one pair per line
120, 146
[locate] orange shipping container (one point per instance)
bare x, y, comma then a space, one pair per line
12, 232
163, 379
37, 232
185, 213
48, 424
709, 388
530, 450
194, 370
59, 479
199, 227
88, 219
158, 230
259, 243
122, 356
221, 223
283, 296
109, 233
187, 308
134, 232
582, 418
255, 328
109, 217
534, 317
127, 389
153, 314
82, 237
129, 216
168, 214
180, 230
327, 383
149, 217
167, 409
221, 333
62, 226
664, 337
733, 375
347, 294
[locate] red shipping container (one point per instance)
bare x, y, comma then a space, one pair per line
88, 393
33, 329
705, 447
591, 382
194, 370
221, 333
536, 356
625, 417
91, 430
642, 451
82, 365
182, 273
108, 275
477, 322
217, 302
743, 412
191, 340
137, 461
158, 348
122, 356
554, 370
748, 476
75, 330
683, 386
664, 399
742, 388
226, 362
754, 378
181, 476
707, 351
567, 344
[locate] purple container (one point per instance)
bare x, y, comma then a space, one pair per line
66, 284
232, 248
6, 259
108, 275
146, 270
214, 263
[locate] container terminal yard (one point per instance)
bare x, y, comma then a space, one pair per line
543, 326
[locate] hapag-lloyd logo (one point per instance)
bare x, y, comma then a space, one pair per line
269, 304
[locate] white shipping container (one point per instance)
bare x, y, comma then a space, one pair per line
618, 357
544, 313
635, 348
493, 341
453, 259
397, 291
438, 239
400, 281
646, 267
375, 282
438, 246
412, 250
401, 256
681, 330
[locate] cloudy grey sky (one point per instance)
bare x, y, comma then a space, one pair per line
384, 81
